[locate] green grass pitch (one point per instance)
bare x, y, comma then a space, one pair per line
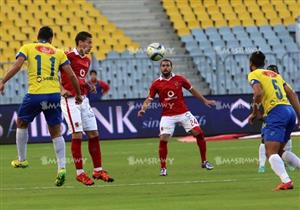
234, 184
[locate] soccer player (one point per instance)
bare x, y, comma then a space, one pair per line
262, 150
102, 87
174, 110
276, 97
81, 117
43, 95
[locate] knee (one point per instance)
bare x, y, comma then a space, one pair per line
164, 138
54, 131
197, 131
92, 134
21, 124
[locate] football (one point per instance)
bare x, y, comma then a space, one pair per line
156, 51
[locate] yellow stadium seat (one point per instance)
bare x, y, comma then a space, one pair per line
234, 22
183, 31
220, 23
230, 16
206, 23
275, 21
261, 22
236, 2
100, 55
208, 3
47, 21
263, 2
193, 24
119, 48
288, 20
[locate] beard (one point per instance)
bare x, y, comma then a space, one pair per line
166, 74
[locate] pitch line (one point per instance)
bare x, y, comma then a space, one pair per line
127, 185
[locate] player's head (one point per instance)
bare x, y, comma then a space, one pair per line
45, 34
273, 68
257, 60
84, 42
93, 74
166, 67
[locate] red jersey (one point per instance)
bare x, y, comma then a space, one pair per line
80, 65
170, 94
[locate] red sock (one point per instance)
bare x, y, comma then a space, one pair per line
163, 152
202, 145
94, 149
76, 153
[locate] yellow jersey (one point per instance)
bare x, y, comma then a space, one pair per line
44, 62
272, 85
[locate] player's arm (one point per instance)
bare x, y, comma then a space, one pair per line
72, 77
145, 106
257, 99
293, 98
197, 94
14, 69
105, 87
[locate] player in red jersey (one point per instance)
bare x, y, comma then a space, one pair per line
174, 110
81, 117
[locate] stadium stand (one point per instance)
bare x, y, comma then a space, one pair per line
212, 37
225, 29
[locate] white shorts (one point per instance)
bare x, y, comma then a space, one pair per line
78, 117
168, 123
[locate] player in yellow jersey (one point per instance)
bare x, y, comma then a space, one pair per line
276, 97
43, 95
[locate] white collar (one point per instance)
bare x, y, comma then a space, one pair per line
77, 53
162, 78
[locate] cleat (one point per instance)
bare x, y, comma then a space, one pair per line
102, 175
19, 164
207, 165
60, 178
284, 186
163, 172
85, 179
261, 169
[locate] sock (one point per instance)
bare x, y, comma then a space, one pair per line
288, 146
60, 151
95, 152
277, 166
79, 171
98, 169
163, 152
262, 155
76, 153
202, 146
291, 159
21, 141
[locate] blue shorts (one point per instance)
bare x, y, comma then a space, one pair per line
279, 124
34, 104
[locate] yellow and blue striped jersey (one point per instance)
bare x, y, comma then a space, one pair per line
44, 62
272, 85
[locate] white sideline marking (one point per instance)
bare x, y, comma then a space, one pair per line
125, 185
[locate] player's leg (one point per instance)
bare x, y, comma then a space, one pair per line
53, 115
288, 148
262, 157
72, 115
167, 126
191, 125
26, 113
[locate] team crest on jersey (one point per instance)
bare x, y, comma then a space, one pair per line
269, 73
44, 49
176, 85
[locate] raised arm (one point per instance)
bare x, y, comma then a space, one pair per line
14, 69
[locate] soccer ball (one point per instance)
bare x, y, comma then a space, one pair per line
156, 51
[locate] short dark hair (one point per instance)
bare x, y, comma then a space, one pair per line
93, 71
82, 36
45, 33
166, 60
273, 68
258, 59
